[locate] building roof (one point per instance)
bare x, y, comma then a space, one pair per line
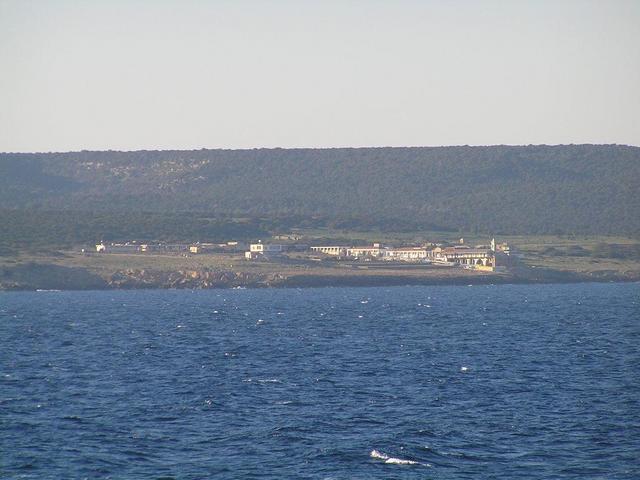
466, 251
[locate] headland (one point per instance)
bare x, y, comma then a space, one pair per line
307, 260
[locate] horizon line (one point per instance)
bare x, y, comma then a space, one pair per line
360, 147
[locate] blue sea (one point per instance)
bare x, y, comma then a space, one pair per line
482, 382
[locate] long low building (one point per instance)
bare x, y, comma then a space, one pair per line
475, 257
141, 248
331, 250
408, 254
377, 250
480, 258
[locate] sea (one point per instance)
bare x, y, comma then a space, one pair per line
437, 382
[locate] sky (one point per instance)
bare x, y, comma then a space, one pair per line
130, 75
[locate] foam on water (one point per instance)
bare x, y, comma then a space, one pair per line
393, 460
262, 380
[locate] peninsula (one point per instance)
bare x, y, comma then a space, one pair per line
234, 264
345, 216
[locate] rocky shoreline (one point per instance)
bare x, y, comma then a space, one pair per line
37, 276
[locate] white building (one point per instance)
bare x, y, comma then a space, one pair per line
331, 250
407, 254
266, 248
374, 251
479, 258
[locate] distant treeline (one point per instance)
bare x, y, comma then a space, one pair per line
575, 189
37, 229
31, 229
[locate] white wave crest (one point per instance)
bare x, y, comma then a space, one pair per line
268, 380
377, 454
262, 380
394, 461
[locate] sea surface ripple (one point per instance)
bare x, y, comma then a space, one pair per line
505, 381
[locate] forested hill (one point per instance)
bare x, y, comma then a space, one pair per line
498, 189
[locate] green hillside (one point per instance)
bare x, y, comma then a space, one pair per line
591, 189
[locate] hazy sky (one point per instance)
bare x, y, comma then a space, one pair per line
155, 74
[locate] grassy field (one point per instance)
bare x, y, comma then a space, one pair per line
554, 252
